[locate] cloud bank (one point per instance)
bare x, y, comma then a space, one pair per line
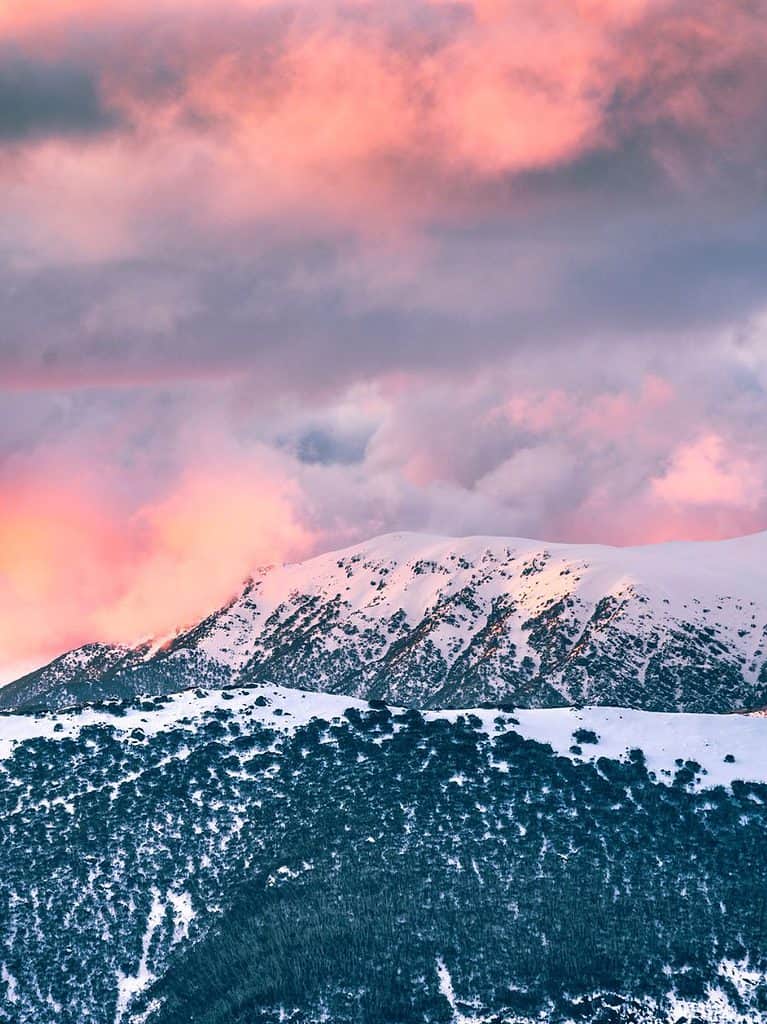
278, 277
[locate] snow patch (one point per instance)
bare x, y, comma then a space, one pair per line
10, 984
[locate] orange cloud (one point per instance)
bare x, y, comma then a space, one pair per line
196, 544
73, 568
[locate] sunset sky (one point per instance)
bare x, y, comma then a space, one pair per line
279, 276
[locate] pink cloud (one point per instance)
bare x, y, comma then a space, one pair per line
340, 121
599, 418
74, 566
347, 119
160, 539
621, 411
709, 472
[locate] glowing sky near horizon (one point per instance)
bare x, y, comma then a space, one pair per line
278, 276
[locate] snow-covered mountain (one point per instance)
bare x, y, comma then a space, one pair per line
432, 622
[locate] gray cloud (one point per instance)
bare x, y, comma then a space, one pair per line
40, 99
315, 318
632, 255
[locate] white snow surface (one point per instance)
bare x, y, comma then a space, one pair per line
129, 985
445, 982
364, 599
738, 565
717, 1006
719, 583
663, 738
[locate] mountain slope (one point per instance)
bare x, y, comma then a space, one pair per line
432, 622
264, 855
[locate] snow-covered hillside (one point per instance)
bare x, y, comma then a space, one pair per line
725, 748
431, 622
267, 854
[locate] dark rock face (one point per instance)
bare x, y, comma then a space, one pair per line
434, 623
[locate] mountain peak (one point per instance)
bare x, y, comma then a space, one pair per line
428, 620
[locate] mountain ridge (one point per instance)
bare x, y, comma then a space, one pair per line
429, 621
